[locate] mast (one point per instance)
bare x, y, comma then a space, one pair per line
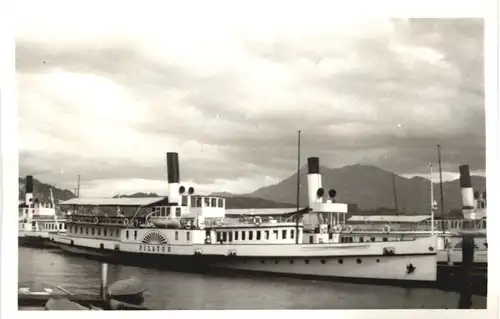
395, 194
78, 187
441, 183
432, 198
298, 194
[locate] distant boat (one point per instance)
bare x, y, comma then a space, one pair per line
37, 220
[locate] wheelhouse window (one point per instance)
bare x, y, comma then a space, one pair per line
243, 233
213, 202
207, 202
98, 232
105, 232
86, 231
184, 200
135, 234
267, 234
188, 236
220, 202
250, 235
126, 234
193, 201
283, 234
219, 237
177, 211
163, 212
258, 235
176, 235
292, 233
275, 233
93, 231
198, 201
168, 212
230, 236
236, 235
224, 236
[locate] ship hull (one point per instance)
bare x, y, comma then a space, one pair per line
35, 240
416, 268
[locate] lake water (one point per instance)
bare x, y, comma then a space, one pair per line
174, 290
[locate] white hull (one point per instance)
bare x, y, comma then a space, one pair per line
366, 260
385, 268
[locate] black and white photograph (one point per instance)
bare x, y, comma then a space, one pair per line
183, 155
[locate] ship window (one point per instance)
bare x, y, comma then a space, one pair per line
267, 235
81, 230
250, 235
283, 234
105, 232
243, 233
93, 230
275, 232
372, 239
311, 239
86, 231
236, 235
330, 236
188, 236
218, 236
168, 211
163, 212
361, 239
60, 226
198, 201
230, 236
258, 235
292, 233
221, 202
98, 232
177, 211
176, 235
207, 201
350, 239
184, 200
213, 202
135, 234
126, 234
384, 239
224, 236
193, 201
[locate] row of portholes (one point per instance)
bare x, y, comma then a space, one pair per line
307, 261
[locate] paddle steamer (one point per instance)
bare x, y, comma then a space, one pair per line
37, 220
189, 232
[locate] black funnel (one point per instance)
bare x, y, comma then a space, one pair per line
313, 165
29, 184
173, 167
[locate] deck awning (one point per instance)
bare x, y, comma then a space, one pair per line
264, 211
388, 219
142, 201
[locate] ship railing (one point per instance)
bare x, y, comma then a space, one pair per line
459, 224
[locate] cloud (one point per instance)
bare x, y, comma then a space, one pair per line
106, 97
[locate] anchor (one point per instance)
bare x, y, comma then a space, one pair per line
410, 268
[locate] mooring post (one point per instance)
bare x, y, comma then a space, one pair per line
449, 251
104, 281
467, 261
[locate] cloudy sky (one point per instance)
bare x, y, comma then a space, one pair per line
106, 88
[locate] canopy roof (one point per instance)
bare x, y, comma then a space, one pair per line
141, 201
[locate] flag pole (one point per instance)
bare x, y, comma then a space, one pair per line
432, 199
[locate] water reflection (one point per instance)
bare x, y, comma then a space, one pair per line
173, 290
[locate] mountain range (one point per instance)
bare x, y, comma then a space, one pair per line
371, 188
368, 187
